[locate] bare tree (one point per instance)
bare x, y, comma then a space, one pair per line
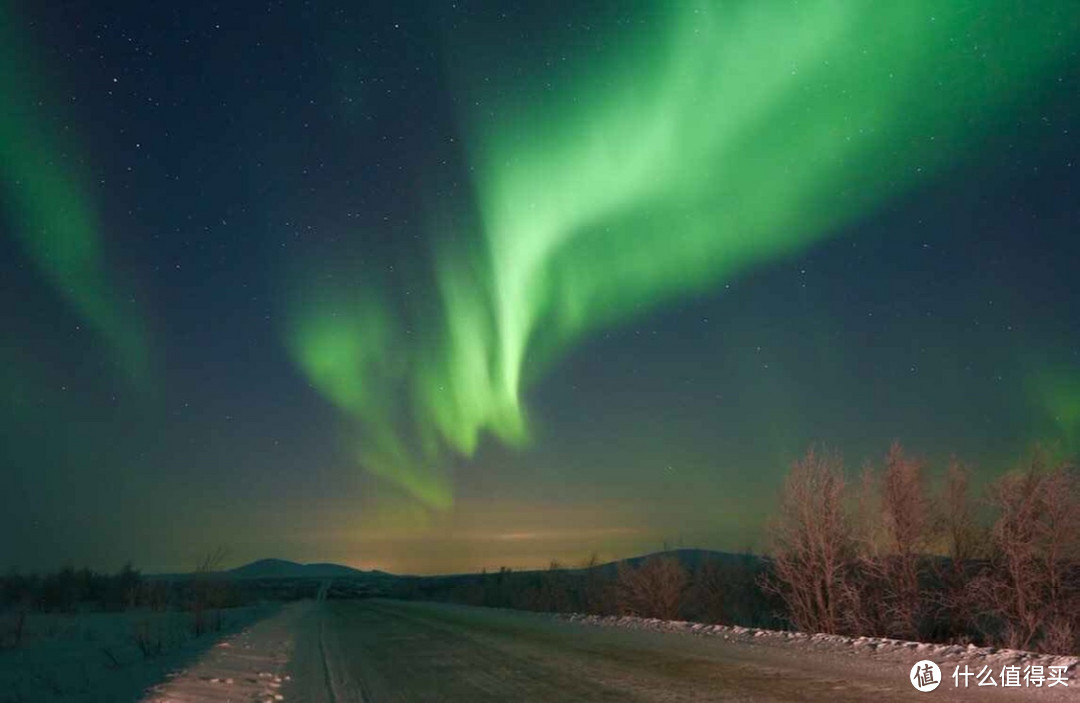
653, 589
597, 594
497, 587
962, 542
1031, 583
961, 531
1059, 532
554, 590
811, 543
907, 529
208, 592
709, 591
12, 626
886, 591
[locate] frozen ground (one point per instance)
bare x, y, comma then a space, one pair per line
379, 650
96, 657
247, 666
397, 651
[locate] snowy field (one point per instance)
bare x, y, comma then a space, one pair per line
104, 657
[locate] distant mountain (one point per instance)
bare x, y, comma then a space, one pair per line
285, 569
690, 558
282, 568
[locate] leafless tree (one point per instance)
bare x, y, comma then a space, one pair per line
811, 543
653, 589
1059, 533
1031, 582
962, 535
892, 555
962, 541
597, 595
709, 589
155, 594
209, 592
12, 626
554, 590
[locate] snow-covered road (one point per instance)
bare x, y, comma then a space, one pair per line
376, 650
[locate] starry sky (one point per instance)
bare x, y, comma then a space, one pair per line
436, 286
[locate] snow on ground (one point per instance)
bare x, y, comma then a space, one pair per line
337, 651
105, 656
947, 656
384, 650
248, 666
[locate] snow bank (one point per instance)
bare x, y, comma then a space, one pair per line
871, 646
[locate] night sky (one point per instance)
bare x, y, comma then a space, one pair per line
430, 287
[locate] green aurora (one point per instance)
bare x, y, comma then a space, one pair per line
57, 226
430, 287
725, 137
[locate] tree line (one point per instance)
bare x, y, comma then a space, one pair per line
883, 553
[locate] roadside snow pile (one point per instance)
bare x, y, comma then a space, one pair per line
872, 646
104, 656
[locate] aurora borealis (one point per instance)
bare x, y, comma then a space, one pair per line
440, 287
57, 224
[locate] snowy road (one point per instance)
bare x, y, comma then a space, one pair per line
377, 651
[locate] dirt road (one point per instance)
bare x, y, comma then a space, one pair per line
376, 651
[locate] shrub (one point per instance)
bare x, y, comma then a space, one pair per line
1031, 582
654, 589
812, 543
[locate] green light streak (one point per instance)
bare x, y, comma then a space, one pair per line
53, 218
728, 136
343, 339
1056, 391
